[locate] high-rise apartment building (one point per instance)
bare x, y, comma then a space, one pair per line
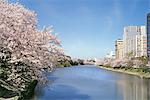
141, 43
148, 35
119, 49
134, 41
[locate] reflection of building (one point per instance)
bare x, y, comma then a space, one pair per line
134, 41
119, 49
148, 35
134, 88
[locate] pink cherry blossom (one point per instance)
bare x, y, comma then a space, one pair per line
36, 49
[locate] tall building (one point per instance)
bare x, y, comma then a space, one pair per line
134, 41
141, 43
148, 35
119, 49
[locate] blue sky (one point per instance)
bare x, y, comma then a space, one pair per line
89, 28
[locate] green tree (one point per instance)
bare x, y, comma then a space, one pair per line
144, 59
130, 55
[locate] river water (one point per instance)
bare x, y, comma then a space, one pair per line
89, 82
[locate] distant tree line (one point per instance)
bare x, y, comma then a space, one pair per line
67, 62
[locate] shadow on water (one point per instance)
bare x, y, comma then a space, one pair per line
92, 83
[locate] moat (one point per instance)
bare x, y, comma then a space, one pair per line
89, 82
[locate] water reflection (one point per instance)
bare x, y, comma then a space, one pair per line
134, 88
92, 83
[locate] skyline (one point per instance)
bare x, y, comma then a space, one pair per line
85, 26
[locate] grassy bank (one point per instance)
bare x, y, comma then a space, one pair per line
140, 72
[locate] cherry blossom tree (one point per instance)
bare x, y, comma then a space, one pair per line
24, 49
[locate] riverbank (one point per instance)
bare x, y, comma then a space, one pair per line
13, 98
11, 93
132, 71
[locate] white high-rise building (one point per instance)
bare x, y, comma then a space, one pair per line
134, 41
141, 43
